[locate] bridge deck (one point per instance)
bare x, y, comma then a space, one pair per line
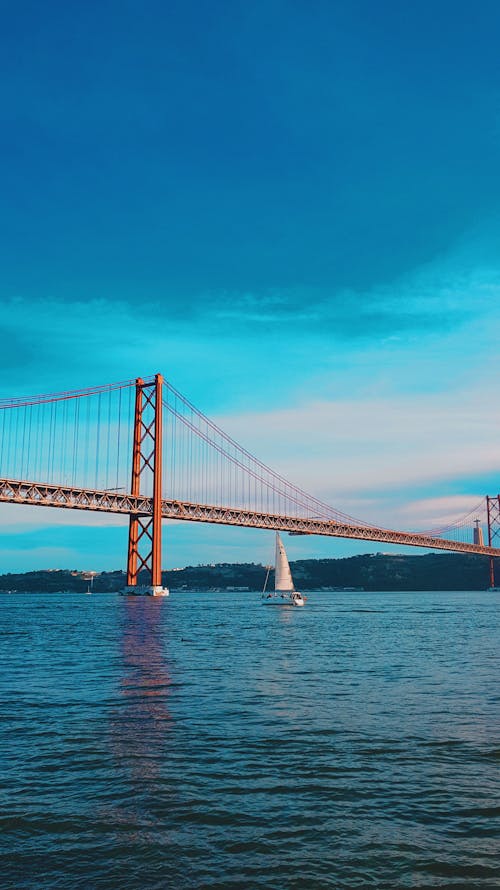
14, 491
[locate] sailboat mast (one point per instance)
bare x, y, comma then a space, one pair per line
267, 579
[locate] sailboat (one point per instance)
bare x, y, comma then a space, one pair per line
284, 591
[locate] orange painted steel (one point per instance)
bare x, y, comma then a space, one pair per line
133, 535
157, 485
493, 516
144, 543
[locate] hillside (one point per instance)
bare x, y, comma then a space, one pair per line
433, 571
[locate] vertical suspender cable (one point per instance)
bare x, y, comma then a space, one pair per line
28, 449
87, 445
23, 443
108, 439
76, 438
63, 451
118, 437
130, 425
56, 405
9, 441
98, 437
2, 443
16, 442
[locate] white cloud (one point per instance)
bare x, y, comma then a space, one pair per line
366, 451
440, 511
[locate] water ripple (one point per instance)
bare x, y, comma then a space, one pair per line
207, 742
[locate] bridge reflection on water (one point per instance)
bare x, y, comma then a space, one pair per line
141, 720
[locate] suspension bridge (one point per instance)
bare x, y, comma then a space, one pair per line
140, 448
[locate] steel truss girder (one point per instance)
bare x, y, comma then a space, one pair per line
40, 494
21, 492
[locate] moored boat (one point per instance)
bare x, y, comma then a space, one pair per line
145, 590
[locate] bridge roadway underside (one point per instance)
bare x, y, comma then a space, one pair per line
13, 491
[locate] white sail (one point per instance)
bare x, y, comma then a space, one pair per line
283, 576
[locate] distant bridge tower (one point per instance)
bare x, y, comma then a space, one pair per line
144, 540
493, 514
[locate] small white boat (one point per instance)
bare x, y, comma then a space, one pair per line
145, 590
284, 590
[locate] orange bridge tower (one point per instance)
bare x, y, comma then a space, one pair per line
144, 539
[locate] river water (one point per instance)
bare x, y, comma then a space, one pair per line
206, 741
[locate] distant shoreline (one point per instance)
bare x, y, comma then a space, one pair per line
369, 572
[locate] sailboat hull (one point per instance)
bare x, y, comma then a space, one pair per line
287, 600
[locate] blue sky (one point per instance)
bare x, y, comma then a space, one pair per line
289, 209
